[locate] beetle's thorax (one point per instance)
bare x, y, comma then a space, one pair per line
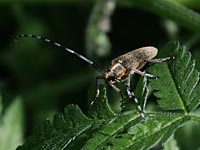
115, 73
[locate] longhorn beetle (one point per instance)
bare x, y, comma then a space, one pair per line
121, 67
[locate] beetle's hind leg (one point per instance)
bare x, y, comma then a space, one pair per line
144, 74
131, 95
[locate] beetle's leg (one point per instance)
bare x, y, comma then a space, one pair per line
156, 60
98, 91
117, 90
128, 83
144, 73
131, 95
97, 84
97, 87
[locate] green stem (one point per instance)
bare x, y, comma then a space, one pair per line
172, 10
190, 3
99, 24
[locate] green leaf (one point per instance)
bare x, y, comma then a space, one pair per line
190, 133
171, 144
178, 86
74, 130
120, 132
144, 135
11, 126
66, 130
61, 132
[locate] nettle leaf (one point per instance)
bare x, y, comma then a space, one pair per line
72, 127
178, 87
74, 130
145, 135
61, 132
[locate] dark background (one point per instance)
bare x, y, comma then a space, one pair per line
47, 77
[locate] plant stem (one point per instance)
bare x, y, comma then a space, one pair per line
99, 24
172, 10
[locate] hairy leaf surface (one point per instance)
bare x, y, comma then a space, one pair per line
178, 86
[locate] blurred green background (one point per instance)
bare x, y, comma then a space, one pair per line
48, 78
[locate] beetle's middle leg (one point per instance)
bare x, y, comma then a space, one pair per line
143, 73
117, 90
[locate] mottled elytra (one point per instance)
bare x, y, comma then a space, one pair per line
121, 67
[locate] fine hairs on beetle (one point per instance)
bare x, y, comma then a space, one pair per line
121, 68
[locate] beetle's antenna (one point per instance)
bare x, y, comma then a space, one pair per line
63, 47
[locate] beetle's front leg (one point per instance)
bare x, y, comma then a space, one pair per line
97, 87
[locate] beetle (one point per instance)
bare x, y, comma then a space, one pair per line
121, 68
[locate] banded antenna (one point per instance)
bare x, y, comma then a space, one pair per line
63, 47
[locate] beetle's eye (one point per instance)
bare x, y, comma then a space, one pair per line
112, 78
